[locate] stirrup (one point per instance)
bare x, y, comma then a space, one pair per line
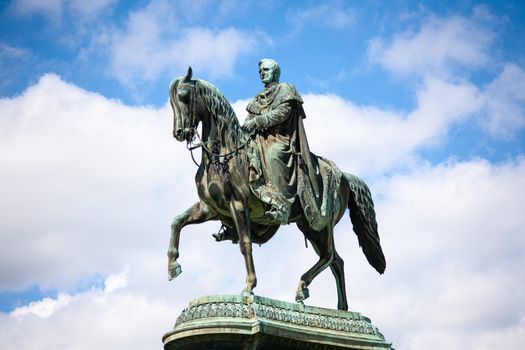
225, 234
276, 215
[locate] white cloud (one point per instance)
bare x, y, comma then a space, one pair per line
214, 12
376, 140
81, 173
454, 248
438, 46
445, 49
43, 308
434, 53
13, 57
334, 15
89, 9
116, 281
154, 43
90, 320
12, 52
48, 8
505, 102
55, 8
48, 306
239, 107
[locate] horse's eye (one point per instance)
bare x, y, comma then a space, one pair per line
183, 96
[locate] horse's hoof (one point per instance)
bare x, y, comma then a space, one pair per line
174, 271
302, 295
342, 307
246, 293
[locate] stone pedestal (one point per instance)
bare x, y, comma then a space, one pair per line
229, 322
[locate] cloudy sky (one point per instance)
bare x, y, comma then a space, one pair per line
424, 100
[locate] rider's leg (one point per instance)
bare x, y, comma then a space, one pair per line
226, 233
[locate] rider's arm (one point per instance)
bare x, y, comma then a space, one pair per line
274, 117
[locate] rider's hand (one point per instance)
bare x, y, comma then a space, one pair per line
249, 125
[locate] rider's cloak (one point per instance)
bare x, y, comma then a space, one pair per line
281, 164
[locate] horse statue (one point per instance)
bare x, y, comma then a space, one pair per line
223, 187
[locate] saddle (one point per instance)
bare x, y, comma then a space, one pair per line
318, 200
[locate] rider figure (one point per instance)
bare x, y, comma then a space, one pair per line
280, 161
273, 114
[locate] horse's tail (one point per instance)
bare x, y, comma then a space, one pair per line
363, 218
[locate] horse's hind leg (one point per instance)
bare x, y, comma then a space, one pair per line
323, 245
196, 214
338, 271
337, 267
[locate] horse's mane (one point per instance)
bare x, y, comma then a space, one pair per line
218, 105
228, 126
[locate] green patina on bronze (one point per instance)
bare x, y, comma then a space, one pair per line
281, 164
258, 177
252, 322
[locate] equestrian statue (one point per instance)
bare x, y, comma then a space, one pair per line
257, 177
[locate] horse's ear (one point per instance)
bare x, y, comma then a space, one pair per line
188, 75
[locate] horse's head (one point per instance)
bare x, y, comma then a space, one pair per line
187, 106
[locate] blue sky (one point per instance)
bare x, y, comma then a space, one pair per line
424, 100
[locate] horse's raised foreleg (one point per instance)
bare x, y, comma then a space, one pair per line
196, 214
240, 214
323, 245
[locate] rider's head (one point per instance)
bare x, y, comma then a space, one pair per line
269, 71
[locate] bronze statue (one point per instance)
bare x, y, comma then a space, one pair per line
255, 178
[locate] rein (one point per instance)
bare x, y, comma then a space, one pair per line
211, 152
214, 153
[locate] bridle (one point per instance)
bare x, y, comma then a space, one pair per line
220, 166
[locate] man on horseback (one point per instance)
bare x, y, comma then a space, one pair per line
275, 118
281, 166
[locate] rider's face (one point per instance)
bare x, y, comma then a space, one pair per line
267, 73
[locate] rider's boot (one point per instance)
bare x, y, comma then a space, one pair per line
225, 233
278, 213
